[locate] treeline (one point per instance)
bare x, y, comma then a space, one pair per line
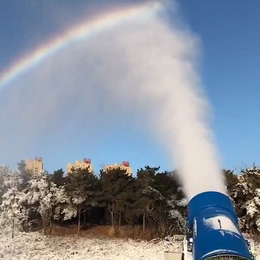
152, 200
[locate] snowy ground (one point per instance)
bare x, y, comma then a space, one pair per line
37, 246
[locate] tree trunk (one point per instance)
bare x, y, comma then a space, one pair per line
13, 227
144, 222
50, 220
44, 223
84, 217
119, 221
112, 214
112, 218
79, 211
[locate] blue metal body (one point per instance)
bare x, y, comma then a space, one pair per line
214, 223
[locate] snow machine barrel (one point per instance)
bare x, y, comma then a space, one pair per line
214, 224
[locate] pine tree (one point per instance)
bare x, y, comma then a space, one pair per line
115, 184
148, 195
58, 177
81, 188
25, 174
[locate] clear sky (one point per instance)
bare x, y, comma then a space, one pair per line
230, 73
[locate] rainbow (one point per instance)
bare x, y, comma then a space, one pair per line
82, 31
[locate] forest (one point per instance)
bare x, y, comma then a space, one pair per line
152, 202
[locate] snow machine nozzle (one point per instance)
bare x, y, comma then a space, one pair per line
214, 224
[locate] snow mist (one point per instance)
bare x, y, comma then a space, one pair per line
144, 69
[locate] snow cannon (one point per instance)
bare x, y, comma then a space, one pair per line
214, 225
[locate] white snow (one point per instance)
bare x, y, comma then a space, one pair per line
221, 223
37, 246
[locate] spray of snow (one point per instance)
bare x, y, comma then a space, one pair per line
143, 72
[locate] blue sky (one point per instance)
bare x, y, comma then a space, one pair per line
230, 40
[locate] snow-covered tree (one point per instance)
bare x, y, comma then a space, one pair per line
247, 199
13, 213
178, 213
44, 196
4, 171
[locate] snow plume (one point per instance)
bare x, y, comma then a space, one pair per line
139, 72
